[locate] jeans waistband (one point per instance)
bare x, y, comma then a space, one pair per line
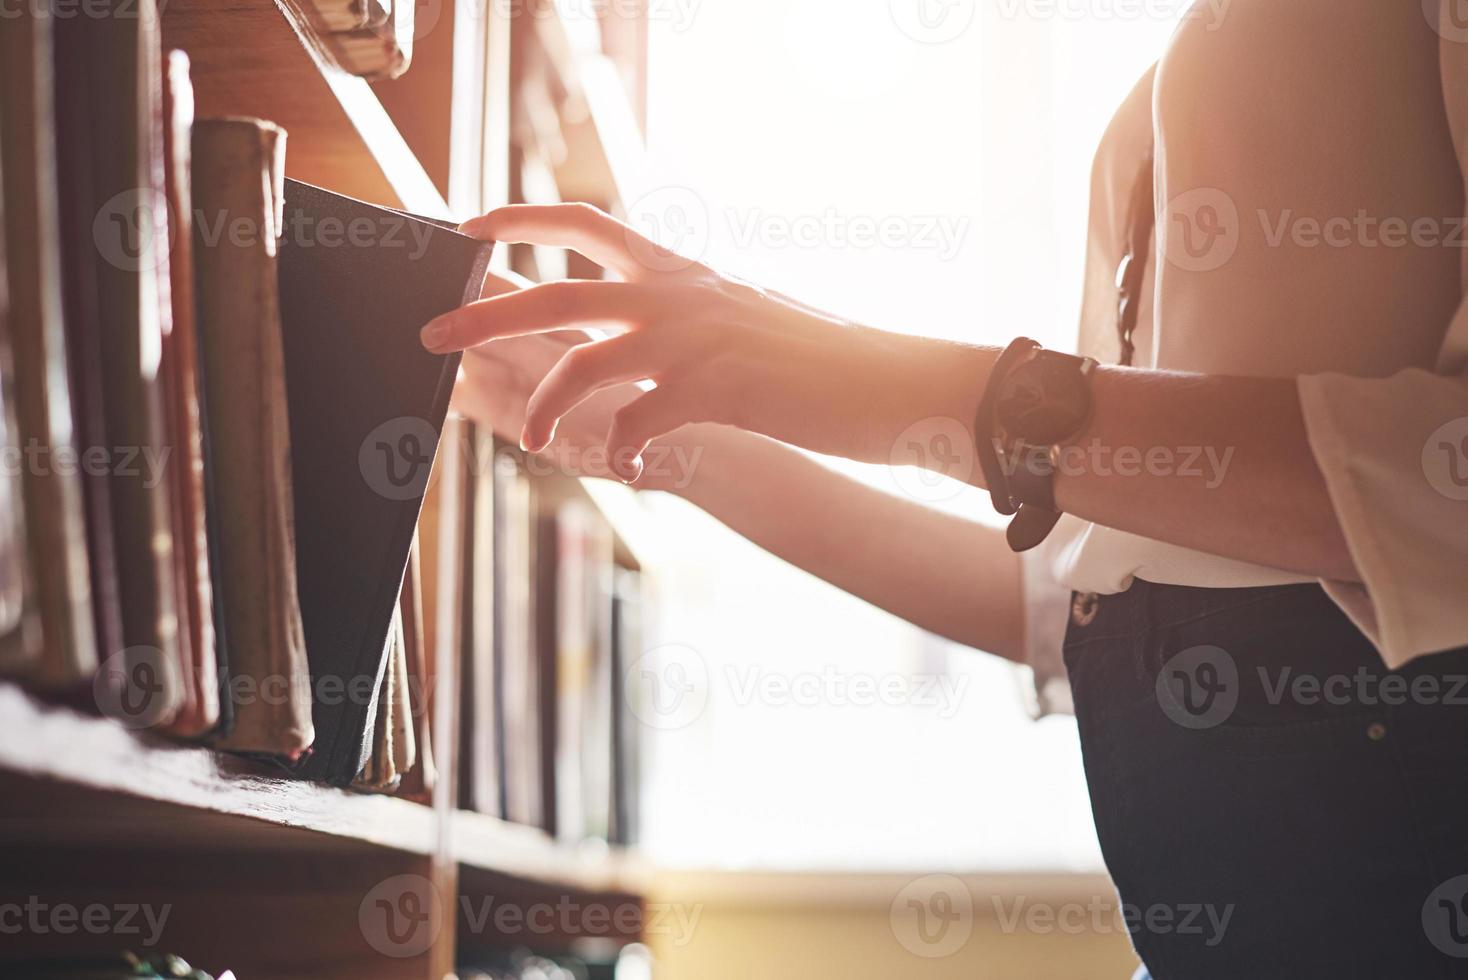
1149, 604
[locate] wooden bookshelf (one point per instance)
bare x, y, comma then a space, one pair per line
156, 792
249, 59
264, 873
71, 778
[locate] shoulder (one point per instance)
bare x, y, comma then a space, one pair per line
1125, 143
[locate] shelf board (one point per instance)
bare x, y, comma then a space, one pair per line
249, 59
68, 778
486, 843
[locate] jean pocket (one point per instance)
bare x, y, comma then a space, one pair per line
1268, 671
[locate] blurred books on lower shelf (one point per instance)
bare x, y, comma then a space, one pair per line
544, 741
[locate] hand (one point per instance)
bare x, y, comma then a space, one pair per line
496, 380
718, 350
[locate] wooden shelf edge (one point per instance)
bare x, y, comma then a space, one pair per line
486, 843
58, 744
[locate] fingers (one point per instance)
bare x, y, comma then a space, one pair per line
656, 413
584, 371
539, 309
504, 281
581, 227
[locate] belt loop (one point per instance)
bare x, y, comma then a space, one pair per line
1083, 608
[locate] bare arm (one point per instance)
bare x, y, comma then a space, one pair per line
944, 574
947, 575
1260, 496
724, 351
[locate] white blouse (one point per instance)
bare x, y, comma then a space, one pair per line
1311, 223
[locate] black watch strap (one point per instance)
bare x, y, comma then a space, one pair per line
1032, 476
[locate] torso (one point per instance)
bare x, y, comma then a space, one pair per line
1322, 123
1310, 219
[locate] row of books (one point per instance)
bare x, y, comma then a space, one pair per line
549, 622
196, 380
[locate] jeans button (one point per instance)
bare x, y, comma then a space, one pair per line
1083, 608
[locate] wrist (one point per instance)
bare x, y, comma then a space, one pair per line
687, 462
931, 421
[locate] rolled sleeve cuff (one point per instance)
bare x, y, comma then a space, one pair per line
1394, 455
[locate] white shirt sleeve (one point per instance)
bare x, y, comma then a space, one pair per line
1394, 452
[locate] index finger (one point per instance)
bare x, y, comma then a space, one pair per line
580, 227
545, 308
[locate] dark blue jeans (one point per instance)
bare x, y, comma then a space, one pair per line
1271, 801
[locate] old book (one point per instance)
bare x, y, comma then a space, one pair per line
237, 172
481, 777
367, 405
19, 630
55, 525
389, 757
420, 778
577, 627
598, 745
131, 231
514, 520
442, 537
76, 146
199, 712
627, 647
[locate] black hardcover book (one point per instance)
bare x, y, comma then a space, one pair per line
367, 405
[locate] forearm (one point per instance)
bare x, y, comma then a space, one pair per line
947, 575
1231, 471
1218, 464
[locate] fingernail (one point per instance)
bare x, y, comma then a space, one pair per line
435, 335
635, 469
525, 440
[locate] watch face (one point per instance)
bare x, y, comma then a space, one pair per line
1045, 400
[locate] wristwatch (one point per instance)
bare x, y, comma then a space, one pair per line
1035, 401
